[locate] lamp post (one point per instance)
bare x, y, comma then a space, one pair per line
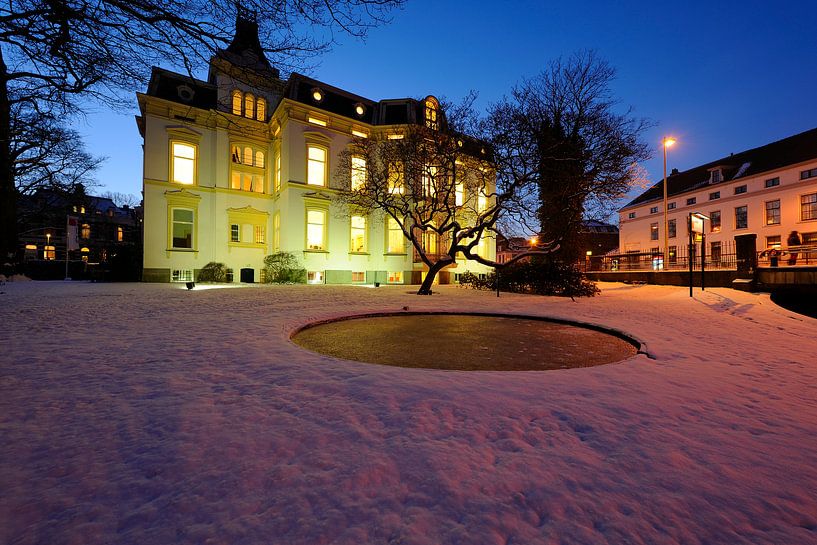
48, 246
667, 142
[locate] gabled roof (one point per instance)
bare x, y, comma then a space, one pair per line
789, 151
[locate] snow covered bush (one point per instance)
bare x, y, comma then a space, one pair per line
283, 268
540, 277
213, 272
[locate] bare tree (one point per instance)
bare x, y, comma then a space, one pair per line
559, 136
52, 52
436, 183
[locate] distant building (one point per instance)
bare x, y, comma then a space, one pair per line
765, 192
244, 165
597, 237
104, 231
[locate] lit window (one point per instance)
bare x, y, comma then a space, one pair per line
773, 212
395, 178
360, 109
396, 241
808, 207
260, 234
119, 234
50, 253
653, 231
358, 276
235, 232
358, 172
431, 112
314, 277
278, 172
315, 229
359, 134
237, 99
741, 217
316, 166
482, 202
673, 254
715, 221
316, 121
184, 163
459, 194
395, 277
317, 94
181, 275
431, 241
358, 234
276, 231
247, 168
249, 105
182, 228
261, 110
429, 181
395, 137
773, 243
85, 231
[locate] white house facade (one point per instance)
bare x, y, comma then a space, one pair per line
769, 192
243, 165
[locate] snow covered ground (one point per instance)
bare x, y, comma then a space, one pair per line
149, 414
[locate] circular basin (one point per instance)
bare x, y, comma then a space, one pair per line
466, 342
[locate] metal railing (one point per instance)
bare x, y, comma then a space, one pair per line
793, 256
722, 258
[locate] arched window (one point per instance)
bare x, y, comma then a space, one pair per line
248, 168
237, 99
249, 105
432, 108
261, 110
259, 159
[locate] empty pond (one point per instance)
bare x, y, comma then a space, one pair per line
465, 342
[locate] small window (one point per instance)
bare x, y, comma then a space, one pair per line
358, 234
316, 165
261, 110
85, 231
740, 189
358, 172
715, 252
715, 221
653, 231
395, 277
182, 228
806, 174
714, 195
396, 241
459, 194
317, 121
631, 215
259, 234
396, 178
235, 233
808, 207
431, 113
654, 210
671, 206
315, 229
741, 217
50, 253
691, 201
181, 275
773, 212
358, 276
183, 163
249, 106
672, 228
314, 277
237, 100
773, 242
772, 182
119, 234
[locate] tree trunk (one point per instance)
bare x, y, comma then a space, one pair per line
8, 193
425, 287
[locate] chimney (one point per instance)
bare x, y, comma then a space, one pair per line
674, 172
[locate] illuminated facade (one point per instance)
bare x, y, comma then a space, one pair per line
768, 191
243, 165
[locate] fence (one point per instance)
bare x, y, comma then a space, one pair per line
721, 256
793, 256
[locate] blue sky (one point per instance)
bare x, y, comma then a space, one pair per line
721, 76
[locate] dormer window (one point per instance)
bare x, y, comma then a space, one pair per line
432, 108
360, 109
317, 95
715, 176
247, 105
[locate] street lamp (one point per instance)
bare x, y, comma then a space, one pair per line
667, 142
48, 246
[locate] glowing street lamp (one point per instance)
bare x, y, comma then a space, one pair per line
534, 241
667, 142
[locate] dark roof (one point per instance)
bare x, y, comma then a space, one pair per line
299, 88
789, 151
245, 50
182, 89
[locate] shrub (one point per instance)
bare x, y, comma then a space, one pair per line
213, 272
539, 277
283, 268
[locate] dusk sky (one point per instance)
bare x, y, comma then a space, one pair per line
720, 76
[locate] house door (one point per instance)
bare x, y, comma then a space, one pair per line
248, 275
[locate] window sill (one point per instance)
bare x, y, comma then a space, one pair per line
359, 253
395, 254
186, 250
258, 245
307, 251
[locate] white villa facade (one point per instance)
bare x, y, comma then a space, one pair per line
768, 191
243, 165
